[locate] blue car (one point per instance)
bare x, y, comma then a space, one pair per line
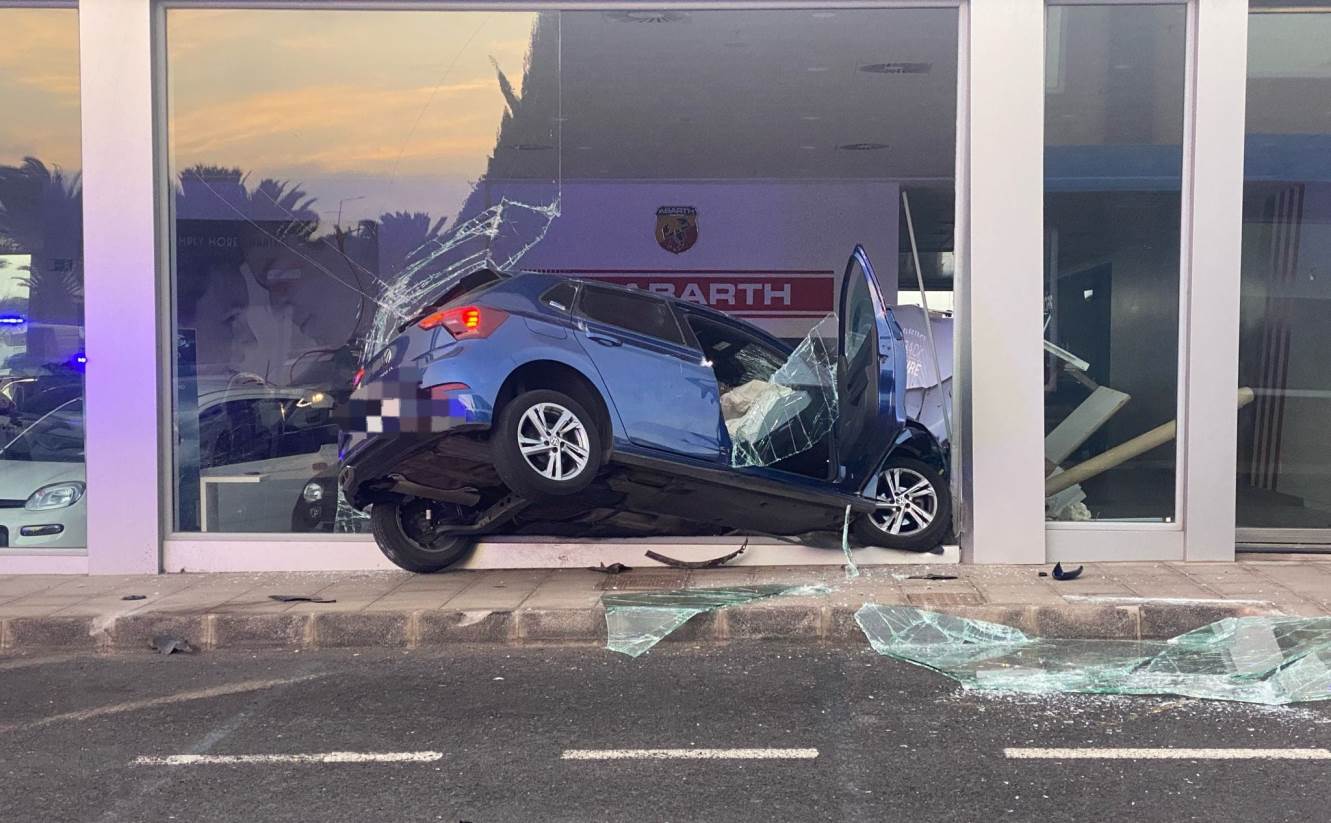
531, 403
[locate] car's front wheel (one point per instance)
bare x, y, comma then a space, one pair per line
546, 443
408, 534
914, 507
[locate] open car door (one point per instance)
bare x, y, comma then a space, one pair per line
871, 375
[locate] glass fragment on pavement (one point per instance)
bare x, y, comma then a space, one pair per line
636, 621
1267, 660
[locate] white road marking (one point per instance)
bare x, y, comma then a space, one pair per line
154, 702
689, 754
319, 757
1167, 754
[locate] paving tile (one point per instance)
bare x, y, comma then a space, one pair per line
17, 609
1169, 587
496, 593
1301, 580
20, 585
411, 601
556, 598
1209, 573
1012, 594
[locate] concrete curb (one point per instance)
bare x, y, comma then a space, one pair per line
769, 621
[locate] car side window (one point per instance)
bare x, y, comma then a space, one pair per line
736, 357
860, 315
633, 311
560, 296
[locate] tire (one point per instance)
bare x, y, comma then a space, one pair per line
388, 522
558, 463
912, 533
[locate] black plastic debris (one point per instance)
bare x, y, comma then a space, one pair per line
170, 644
300, 598
135, 597
696, 564
1072, 574
932, 576
613, 568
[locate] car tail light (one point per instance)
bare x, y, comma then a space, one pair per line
466, 321
359, 376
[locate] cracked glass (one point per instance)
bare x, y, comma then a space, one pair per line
321, 201
793, 409
332, 172
1267, 660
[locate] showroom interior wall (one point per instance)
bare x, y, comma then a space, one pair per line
999, 252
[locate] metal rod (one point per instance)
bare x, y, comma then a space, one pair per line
928, 321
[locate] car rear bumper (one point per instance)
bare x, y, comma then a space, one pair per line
401, 406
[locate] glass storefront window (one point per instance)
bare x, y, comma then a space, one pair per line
1114, 107
41, 283
1284, 456
326, 183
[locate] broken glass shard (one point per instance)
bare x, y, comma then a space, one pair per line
636, 621
1267, 660
793, 409
852, 570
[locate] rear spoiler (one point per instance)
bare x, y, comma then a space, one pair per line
462, 286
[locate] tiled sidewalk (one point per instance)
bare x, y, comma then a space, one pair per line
1119, 600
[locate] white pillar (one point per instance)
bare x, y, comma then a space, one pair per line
1214, 231
120, 286
1000, 237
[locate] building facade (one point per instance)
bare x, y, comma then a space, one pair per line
1108, 214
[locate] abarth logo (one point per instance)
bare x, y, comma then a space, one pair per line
676, 228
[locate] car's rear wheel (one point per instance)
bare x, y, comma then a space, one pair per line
546, 443
408, 534
914, 507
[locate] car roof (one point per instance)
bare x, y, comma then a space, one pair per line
687, 306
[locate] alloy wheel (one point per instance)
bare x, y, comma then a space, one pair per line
553, 441
907, 502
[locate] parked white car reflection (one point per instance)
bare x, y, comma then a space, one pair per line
258, 446
42, 504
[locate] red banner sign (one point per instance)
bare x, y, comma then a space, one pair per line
744, 293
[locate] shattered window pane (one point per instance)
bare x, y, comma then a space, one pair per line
791, 411
1269, 660
636, 621
321, 203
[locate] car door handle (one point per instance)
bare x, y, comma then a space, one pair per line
604, 339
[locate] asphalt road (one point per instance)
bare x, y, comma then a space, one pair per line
488, 730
